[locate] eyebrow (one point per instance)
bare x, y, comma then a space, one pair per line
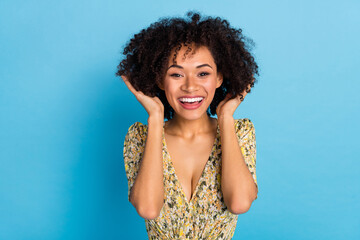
200, 66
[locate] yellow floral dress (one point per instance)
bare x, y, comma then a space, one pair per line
206, 215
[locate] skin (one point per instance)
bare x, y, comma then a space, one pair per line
193, 130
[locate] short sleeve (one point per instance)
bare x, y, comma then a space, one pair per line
246, 137
134, 146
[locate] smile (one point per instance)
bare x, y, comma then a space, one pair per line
191, 103
191, 100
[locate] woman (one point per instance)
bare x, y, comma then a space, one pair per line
191, 176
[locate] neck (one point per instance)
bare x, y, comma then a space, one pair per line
190, 128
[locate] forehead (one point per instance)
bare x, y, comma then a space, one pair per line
191, 53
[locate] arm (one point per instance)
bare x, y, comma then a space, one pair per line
147, 193
237, 183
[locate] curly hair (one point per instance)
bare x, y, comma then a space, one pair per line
147, 55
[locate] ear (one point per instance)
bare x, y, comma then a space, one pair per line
160, 85
219, 80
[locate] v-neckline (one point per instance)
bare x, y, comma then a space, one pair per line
203, 171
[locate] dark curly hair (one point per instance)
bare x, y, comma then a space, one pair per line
147, 55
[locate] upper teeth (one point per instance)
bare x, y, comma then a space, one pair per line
191, 99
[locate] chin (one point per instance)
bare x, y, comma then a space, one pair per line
191, 115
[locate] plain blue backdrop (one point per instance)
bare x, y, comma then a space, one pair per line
64, 116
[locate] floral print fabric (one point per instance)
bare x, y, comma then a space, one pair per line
205, 216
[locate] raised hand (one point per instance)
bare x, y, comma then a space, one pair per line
152, 105
227, 107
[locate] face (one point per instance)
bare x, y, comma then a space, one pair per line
190, 84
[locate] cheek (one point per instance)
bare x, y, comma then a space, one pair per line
210, 87
170, 91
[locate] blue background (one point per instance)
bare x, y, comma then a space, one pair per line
64, 116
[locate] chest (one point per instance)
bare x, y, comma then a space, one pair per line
189, 158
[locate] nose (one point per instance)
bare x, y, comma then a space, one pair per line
189, 85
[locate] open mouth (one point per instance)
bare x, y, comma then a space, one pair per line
191, 101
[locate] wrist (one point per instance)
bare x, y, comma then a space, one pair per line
155, 120
225, 119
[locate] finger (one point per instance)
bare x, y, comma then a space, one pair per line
138, 94
124, 77
221, 104
129, 86
227, 97
157, 100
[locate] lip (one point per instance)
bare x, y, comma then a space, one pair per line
189, 96
191, 106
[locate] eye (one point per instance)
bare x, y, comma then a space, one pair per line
175, 75
203, 74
